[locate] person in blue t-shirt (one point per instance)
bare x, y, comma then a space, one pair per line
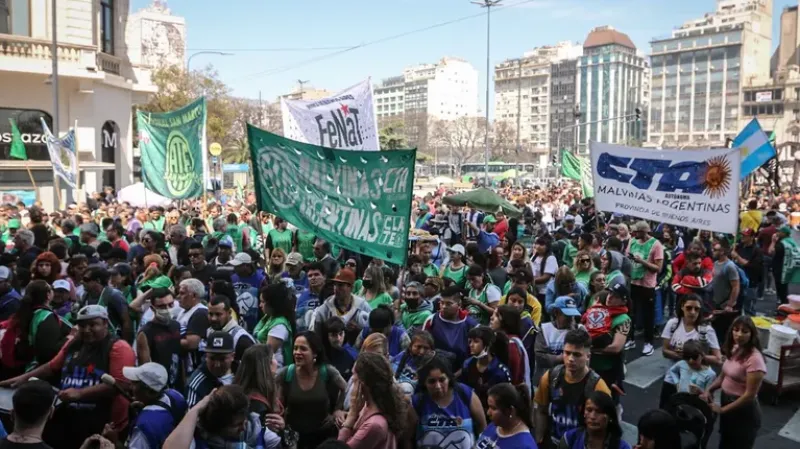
599, 426
487, 365
294, 271
447, 414
310, 298
510, 414
247, 281
163, 408
450, 326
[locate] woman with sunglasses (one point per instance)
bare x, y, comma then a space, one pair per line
584, 267
689, 324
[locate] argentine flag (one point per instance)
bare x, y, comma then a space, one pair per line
755, 147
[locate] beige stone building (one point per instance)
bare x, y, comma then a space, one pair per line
97, 87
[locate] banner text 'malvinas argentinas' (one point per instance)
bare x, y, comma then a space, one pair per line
345, 181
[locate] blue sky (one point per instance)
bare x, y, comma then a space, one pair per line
239, 25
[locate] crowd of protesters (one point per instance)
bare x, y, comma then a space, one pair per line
218, 326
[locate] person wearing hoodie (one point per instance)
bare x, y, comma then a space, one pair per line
611, 264
353, 310
222, 420
414, 310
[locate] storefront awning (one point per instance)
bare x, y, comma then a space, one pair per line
46, 165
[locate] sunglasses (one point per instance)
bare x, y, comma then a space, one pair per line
584, 260
350, 264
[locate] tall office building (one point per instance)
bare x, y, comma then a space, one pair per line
446, 90
609, 84
698, 73
524, 90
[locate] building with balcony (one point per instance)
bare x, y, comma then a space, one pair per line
523, 88
97, 88
699, 71
609, 84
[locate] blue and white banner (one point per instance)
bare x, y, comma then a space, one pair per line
696, 189
345, 121
62, 155
755, 147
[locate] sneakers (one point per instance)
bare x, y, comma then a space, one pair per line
630, 344
648, 349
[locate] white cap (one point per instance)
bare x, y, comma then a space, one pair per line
61, 284
240, 259
5, 273
151, 374
457, 248
569, 217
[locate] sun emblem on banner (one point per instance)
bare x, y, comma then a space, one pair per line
716, 177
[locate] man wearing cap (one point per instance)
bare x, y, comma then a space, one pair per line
247, 280
647, 253
549, 344
220, 318
163, 407
747, 255
62, 301
216, 369
224, 256
294, 271
782, 250
353, 310
9, 296
90, 404
486, 238
456, 269
569, 224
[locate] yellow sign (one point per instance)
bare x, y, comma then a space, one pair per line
215, 149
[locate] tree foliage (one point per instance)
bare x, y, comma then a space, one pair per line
462, 139
392, 136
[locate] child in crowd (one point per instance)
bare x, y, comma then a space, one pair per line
691, 375
599, 317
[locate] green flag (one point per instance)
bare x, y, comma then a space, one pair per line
17, 146
172, 148
358, 200
579, 169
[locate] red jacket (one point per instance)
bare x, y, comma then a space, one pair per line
684, 283
677, 265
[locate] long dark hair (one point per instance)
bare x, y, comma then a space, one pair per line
661, 427
745, 350
35, 298
375, 374
606, 405
279, 299
510, 319
436, 362
507, 396
683, 300
255, 374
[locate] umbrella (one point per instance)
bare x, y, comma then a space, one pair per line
139, 196
443, 180
483, 199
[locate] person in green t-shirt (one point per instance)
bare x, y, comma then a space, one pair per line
414, 310
280, 237
375, 288
157, 220
304, 242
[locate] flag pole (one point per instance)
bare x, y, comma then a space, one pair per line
33, 181
78, 188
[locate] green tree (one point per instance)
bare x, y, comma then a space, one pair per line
392, 136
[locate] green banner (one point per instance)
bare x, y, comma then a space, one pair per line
578, 169
358, 200
172, 146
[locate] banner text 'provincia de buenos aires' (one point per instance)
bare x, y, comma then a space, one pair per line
356, 200
692, 188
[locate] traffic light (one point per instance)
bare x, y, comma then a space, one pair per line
554, 158
638, 112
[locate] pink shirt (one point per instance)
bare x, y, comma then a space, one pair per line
735, 370
370, 432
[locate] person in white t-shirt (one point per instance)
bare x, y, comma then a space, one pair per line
688, 325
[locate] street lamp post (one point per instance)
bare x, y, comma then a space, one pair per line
488, 4
189, 61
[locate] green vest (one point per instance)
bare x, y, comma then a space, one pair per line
643, 251
379, 300
458, 276
476, 312
261, 333
305, 245
236, 234
282, 240
568, 258
156, 225
430, 270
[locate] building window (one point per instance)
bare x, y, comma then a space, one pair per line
107, 26
15, 17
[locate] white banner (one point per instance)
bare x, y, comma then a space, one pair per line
696, 189
60, 149
345, 121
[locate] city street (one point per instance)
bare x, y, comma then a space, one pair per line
780, 428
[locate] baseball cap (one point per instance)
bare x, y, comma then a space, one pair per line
423, 207
14, 223
785, 230
91, 312
619, 289
489, 219
240, 259
569, 217
345, 276
61, 284
457, 248
225, 243
151, 374
5, 273
219, 342
567, 306
294, 259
